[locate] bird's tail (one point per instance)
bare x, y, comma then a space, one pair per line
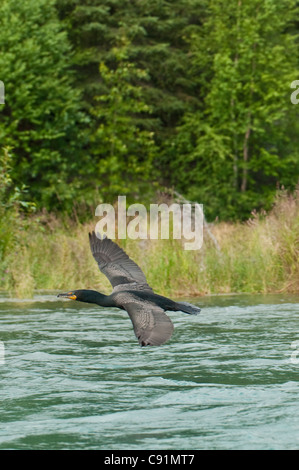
188, 308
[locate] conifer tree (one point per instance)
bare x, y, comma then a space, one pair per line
123, 150
155, 31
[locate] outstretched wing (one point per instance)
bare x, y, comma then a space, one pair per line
152, 326
121, 271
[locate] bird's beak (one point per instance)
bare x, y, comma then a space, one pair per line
69, 295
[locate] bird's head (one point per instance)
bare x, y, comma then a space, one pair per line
84, 295
73, 294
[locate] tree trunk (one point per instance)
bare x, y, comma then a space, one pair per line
245, 158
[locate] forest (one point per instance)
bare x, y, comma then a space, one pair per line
151, 100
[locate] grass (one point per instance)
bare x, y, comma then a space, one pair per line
261, 255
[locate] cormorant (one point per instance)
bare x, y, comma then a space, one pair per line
132, 293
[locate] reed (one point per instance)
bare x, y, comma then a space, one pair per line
261, 255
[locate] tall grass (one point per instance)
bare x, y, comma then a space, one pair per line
261, 255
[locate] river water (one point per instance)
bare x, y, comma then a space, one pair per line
72, 376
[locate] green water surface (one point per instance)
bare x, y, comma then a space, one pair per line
72, 376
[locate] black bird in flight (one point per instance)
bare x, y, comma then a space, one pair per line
132, 293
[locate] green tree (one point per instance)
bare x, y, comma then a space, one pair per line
240, 145
123, 150
41, 116
155, 30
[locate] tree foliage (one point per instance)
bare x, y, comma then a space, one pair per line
106, 97
124, 150
39, 120
238, 142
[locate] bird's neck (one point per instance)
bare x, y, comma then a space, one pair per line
99, 299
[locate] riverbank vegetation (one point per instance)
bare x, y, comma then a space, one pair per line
259, 255
150, 100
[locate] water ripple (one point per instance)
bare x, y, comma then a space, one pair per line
74, 377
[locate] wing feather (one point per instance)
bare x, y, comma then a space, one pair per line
151, 325
122, 272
